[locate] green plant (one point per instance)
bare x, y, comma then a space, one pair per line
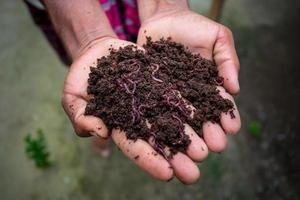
36, 149
254, 128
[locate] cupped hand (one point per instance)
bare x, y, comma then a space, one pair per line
75, 99
212, 41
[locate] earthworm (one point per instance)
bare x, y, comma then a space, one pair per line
119, 83
154, 71
160, 149
170, 103
127, 89
135, 113
136, 70
141, 107
180, 124
182, 110
137, 116
177, 118
157, 79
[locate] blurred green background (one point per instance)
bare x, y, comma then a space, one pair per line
260, 164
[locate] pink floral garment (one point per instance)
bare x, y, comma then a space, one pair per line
123, 17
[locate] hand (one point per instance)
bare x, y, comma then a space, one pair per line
75, 100
215, 42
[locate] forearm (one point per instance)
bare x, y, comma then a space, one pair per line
78, 23
148, 8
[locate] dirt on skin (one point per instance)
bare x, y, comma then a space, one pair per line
149, 94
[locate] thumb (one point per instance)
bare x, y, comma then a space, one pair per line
84, 125
226, 59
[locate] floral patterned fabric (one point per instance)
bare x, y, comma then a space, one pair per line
123, 17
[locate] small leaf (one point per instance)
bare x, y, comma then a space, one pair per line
37, 149
254, 128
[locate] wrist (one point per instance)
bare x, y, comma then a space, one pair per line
81, 38
149, 9
78, 23
102, 41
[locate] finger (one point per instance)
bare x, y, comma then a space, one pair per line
184, 168
214, 137
84, 125
143, 155
197, 150
226, 58
231, 124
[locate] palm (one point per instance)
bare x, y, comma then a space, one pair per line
185, 27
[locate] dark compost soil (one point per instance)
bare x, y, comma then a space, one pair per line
148, 93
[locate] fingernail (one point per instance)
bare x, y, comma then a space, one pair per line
170, 179
236, 83
94, 134
98, 135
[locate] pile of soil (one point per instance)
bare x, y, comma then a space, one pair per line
149, 94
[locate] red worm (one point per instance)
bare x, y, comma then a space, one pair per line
157, 79
154, 71
136, 70
180, 124
160, 149
128, 90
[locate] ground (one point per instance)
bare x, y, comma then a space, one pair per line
253, 167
